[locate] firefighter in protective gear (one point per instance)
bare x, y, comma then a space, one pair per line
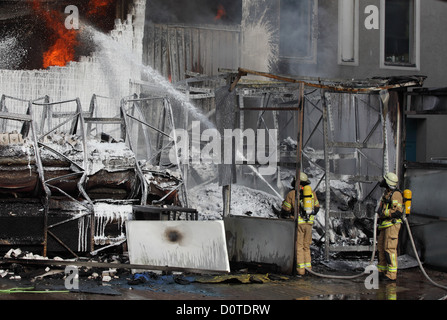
390, 219
309, 201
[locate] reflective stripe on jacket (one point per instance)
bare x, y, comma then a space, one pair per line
391, 203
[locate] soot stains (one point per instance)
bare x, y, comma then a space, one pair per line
173, 235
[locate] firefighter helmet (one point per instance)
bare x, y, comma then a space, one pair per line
391, 180
303, 177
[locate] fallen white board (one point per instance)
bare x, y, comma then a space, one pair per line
197, 245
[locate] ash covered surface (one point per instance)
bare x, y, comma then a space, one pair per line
207, 199
257, 202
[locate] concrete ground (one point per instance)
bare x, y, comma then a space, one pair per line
238, 295
410, 285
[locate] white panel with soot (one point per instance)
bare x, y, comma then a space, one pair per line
197, 245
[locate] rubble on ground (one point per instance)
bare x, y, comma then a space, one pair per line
17, 271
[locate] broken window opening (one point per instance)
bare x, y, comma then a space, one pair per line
297, 29
400, 33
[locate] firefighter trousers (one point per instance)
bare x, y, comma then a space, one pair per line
387, 247
304, 240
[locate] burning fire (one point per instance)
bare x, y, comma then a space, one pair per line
221, 13
63, 48
98, 7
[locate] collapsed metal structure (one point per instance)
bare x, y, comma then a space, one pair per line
59, 187
64, 181
360, 126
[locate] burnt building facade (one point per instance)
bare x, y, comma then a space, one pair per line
346, 39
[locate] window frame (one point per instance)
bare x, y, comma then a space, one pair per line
414, 43
355, 34
311, 57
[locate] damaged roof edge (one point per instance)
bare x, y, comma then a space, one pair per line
354, 85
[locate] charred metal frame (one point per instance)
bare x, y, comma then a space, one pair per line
29, 124
170, 212
80, 123
324, 87
260, 90
128, 113
77, 127
329, 156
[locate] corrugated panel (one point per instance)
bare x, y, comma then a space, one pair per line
174, 49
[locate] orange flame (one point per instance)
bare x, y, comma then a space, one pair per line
59, 53
221, 13
63, 49
98, 7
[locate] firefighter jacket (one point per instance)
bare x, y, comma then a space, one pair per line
390, 209
289, 204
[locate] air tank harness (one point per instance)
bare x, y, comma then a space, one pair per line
407, 206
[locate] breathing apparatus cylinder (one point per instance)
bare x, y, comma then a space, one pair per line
407, 201
307, 200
